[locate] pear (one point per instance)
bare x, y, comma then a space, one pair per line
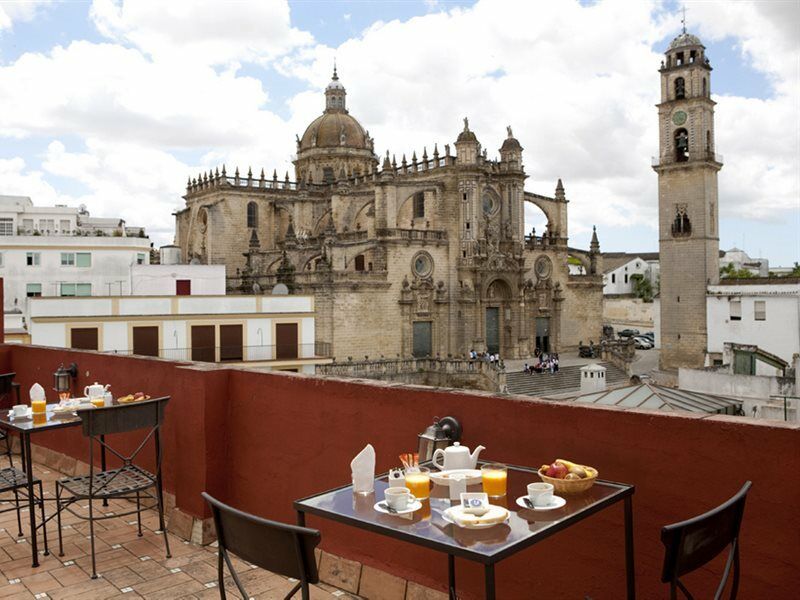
579, 471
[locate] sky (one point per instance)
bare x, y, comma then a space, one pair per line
115, 103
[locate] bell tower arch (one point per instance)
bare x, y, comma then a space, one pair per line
687, 169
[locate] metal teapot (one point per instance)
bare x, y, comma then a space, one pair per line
456, 457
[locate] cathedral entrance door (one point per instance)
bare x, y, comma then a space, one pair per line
543, 333
493, 329
422, 343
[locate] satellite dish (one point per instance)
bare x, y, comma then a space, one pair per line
280, 289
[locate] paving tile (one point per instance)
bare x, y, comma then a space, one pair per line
379, 585
40, 582
420, 592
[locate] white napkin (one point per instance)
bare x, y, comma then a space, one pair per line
36, 392
363, 470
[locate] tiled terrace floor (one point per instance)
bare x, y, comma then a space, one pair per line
128, 566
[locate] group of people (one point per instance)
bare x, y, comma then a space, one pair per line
547, 363
489, 357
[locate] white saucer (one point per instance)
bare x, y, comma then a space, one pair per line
415, 505
472, 476
447, 515
556, 502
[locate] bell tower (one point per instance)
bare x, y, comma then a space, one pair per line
688, 212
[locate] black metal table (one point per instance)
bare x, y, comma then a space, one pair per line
26, 426
426, 527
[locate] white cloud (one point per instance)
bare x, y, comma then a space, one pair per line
11, 12
201, 31
18, 180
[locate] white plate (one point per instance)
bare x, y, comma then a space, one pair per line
454, 511
473, 476
415, 505
556, 502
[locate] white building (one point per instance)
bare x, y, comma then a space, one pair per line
177, 280
619, 268
740, 261
271, 332
763, 312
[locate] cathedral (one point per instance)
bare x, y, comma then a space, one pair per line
425, 256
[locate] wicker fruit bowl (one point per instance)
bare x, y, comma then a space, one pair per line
571, 486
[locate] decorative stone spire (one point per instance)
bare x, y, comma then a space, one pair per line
594, 252
386, 163
560, 190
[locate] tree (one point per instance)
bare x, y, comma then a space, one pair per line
642, 287
729, 271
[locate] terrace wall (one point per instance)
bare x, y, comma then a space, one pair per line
260, 440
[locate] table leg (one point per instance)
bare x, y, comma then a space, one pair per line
489, 577
26, 442
451, 576
103, 461
301, 518
630, 572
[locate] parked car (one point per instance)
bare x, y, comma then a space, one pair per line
642, 343
626, 333
649, 334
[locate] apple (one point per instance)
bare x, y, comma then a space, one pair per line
557, 471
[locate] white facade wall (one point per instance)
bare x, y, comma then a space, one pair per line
52, 319
160, 280
109, 273
619, 280
778, 333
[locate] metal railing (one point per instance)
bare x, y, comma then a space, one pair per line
239, 353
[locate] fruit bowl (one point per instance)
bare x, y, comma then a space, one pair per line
571, 486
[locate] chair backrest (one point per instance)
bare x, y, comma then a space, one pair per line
692, 543
284, 549
123, 417
6, 379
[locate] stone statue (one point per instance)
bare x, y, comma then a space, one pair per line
508, 129
466, 124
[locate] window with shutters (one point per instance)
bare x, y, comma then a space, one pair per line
33, 290
83, 259
760, 308
736, 310
145, 340
84, 338
33, 259
230, 343
6, 226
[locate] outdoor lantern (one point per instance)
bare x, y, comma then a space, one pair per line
62, 379
441, 434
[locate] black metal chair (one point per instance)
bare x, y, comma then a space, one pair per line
284, 549
128, 482
12, 479
693, 543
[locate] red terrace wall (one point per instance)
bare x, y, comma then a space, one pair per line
261, 440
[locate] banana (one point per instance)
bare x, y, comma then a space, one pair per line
566, 463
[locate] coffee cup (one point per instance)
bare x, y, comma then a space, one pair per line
398, 498
20, 410
540, 493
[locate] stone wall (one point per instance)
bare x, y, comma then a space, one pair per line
627, 311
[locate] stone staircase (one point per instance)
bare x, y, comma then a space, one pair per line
568, 379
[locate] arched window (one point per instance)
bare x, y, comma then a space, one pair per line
681, 226
680, 88
681, 145
419, 205
252, 214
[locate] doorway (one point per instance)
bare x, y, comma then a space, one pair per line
422, 343
203, 343
285, 340
543, 334
493, 329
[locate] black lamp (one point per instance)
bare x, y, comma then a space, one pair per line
62, 380
441, 434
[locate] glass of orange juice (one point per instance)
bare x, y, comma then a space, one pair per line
38, 406
39, 418
419, 482
495, 477
98, 401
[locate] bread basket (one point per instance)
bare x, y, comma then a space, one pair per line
571, 486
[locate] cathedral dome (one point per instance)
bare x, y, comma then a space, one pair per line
684, 39
510, 143
333, 130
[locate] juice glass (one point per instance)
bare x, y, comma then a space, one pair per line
495, 477
38, 406
98, 402
39, 418
419, 482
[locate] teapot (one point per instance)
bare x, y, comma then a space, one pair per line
95, 391
456, 457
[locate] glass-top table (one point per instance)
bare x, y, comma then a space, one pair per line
426, 527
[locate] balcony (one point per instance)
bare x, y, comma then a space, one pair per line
261, 440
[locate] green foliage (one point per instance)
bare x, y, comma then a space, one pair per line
642, 287
574, 260
731, 272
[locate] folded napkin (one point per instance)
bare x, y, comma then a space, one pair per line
362, 468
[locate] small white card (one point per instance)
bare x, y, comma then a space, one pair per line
475, 503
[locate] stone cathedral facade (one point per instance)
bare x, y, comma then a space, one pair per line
427, 255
